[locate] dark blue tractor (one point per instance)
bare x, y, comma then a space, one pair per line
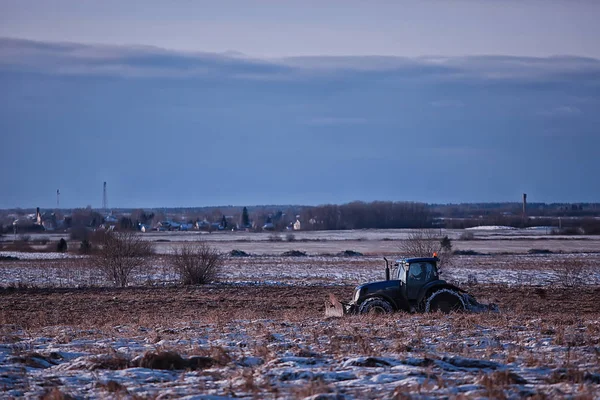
411, 285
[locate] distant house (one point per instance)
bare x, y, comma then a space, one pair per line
111, 219
38, 217
186, 227
168, 226
269, 226
297, 225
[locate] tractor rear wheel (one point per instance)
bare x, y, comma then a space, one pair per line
444, 301
375, 305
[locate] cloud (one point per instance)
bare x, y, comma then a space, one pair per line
561, 112
447, 104
336, 121
126, 61
234, 123
146, 61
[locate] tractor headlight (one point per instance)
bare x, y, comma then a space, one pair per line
356, 295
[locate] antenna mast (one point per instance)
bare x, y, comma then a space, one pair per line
104, 198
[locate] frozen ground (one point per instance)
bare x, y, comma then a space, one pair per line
370, 241
28, 255
260, 332
521, 269
482, 356
481, 232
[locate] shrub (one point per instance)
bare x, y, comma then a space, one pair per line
25, 238
570, 231
85, 247
120, 254
294, 253
446, 244
350, 253
466, 235
62, 246
274, 237
539, 251
43, 240
591, 226
20, 245
467, 253
570, 273
79, 233
424, 243
197, 263
238, 253
290, 237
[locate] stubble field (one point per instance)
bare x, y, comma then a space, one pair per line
260, 333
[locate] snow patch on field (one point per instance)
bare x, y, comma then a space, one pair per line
491, 228
269, 358
24, 255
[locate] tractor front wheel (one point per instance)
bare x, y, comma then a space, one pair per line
375, 305
444, 301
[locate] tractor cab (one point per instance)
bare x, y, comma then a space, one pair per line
415, 273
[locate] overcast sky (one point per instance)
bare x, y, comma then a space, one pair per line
213, 103
287, 28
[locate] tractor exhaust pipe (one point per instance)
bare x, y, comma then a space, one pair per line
387, 269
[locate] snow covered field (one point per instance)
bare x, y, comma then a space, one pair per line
375, 241
513, 269
209, 354
259, 332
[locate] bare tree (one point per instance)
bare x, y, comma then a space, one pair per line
571, 273
197, 263
120, 254
426, 242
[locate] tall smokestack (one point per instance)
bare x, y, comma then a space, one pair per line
104, 198
524, 207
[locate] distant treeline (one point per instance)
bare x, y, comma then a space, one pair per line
375, 215
574, 218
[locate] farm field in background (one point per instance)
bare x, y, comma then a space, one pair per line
524, 269
371, 241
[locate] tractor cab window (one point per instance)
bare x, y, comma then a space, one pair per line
400, 271
422, 272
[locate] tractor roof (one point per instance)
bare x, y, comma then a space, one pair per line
420, 259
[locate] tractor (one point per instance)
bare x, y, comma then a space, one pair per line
414, 286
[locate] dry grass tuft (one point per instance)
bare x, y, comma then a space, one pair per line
171, 360
55, 394
112, 387
35, 360
111, 361
312, 388
501, 379
168, 360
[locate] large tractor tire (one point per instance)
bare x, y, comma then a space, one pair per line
444, 301
375, 305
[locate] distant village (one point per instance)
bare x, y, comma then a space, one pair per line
142, 221
576, 218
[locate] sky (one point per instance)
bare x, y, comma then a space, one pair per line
298, 102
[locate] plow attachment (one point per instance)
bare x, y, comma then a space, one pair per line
333, 307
